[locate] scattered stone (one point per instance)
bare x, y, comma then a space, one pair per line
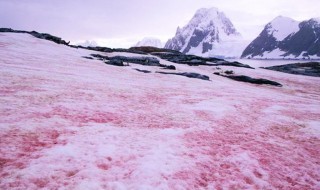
229, 72
143, 71
308, 69
189, 75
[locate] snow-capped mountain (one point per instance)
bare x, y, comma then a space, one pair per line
88, 43
209, 33
285, 38
150, 41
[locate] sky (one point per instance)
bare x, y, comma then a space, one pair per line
122, 23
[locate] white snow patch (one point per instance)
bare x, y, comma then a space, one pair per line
281, 27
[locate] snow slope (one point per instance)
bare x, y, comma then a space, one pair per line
149, 41
71, 123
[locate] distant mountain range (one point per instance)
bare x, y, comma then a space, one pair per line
88, 43
285, 38
209, 33
150, 41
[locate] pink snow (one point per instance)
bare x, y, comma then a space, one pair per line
71, 123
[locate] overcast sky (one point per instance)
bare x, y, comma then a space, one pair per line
121, 23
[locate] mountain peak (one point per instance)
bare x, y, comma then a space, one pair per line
316, 19
206, 34
281, 19
150, 41
284, 37
280, 27
206, 11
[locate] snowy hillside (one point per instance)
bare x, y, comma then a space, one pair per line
68, 121
149, 41
209, 33
285, 38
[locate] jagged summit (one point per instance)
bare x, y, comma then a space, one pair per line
208, 33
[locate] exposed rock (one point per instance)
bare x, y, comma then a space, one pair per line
115, 62
169, 67
229, 72
232, 64
189, 75
87, 57
149, 49
191, 60
98, 56
44, 36
243, 78
308, 69
143, 71
147, 61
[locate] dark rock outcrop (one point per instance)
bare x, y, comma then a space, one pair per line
44, 36
143, 71
149, 49
308, 69
169, 67
115, 62
87, 57
147, 61
189, 75
232, 64
243, 78
191, 60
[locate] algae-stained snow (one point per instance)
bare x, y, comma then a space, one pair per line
71, 123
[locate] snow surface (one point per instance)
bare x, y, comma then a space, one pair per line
72, 123
281, 27
150, 41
